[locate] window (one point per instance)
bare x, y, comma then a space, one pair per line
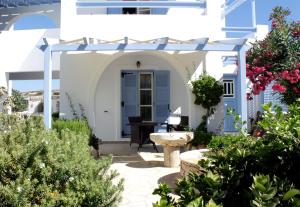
145, 93
136, 11
228, 88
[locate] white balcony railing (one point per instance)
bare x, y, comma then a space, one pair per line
133, 7
140, 4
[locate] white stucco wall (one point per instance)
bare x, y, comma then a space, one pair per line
20, 50
93, 80
179, 23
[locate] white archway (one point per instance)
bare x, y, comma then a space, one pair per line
163, 61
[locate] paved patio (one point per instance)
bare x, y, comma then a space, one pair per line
142, 171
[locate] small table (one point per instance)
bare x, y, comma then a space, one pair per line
171, 142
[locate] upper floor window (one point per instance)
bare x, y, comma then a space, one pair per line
228, 88
136, 11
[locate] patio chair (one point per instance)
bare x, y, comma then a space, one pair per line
135, 129
140, 132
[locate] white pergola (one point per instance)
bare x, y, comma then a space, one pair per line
160, 44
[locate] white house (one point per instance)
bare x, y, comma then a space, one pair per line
35, 101
127, 58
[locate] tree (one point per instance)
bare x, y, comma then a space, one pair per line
19, 102
208, 94
276, 59
5, 100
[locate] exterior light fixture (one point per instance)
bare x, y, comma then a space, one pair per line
138, 64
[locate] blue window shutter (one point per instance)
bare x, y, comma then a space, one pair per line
114, 11
159, 10
129, 99
162, 96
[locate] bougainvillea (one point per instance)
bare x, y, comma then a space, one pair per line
276, 59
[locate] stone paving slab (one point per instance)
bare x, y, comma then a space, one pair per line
142, 171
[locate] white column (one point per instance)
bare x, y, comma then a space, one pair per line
253, 13
47, 87
242, 84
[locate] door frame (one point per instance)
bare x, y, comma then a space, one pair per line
232, 100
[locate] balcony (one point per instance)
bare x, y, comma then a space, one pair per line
107, 20
136, 7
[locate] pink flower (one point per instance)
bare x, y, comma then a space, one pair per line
249, 73
258, 70
279, 88
285, 74
248, 66
268, 66
269, 74
269, 54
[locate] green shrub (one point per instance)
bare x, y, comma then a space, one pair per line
245, 171
40, 168
208, 92
79, 126
224, 141
75, 125
201, 137
55, 116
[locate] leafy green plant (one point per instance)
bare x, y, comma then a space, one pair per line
208, 92
76, 125
19, 102
244, 171
201, 137
224, 141
40, 167
5, 100
167, 201
55, 116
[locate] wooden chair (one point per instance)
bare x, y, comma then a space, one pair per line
135, 129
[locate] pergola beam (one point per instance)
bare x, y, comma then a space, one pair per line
160, 44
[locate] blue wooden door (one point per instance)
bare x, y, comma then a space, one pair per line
129, 102
162, 97
230, 101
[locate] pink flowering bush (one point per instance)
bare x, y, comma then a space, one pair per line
276, 59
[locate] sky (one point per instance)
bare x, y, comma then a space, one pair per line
239, 17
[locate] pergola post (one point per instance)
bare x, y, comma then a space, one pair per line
47, 87
242, 85
253, 15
